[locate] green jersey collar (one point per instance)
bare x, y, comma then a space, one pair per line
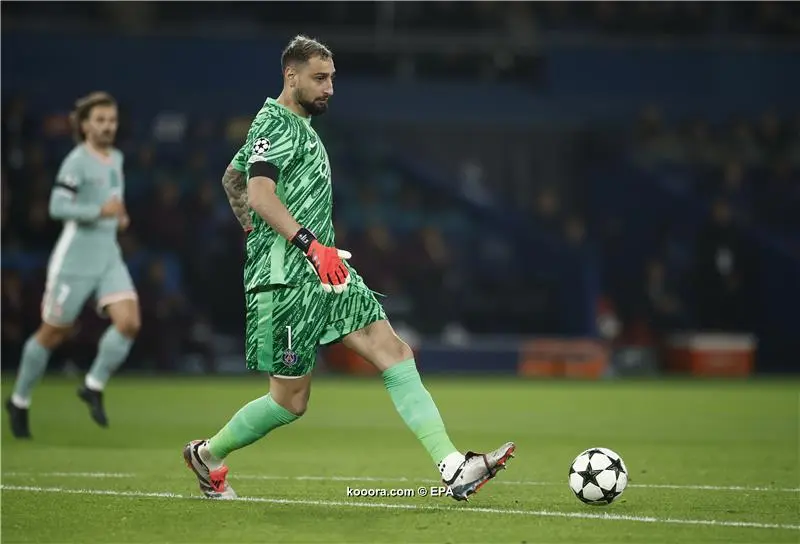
276, 103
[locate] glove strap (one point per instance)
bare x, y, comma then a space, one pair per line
302, 239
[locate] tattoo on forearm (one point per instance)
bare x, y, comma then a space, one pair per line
236, 188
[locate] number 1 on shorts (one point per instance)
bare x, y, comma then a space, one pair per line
289, 335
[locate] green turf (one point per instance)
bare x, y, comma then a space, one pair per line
669, 433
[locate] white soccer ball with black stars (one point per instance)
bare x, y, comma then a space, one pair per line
261, 146
598, 476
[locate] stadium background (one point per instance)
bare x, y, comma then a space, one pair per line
508, 174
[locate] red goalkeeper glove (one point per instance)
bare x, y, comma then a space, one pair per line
327, 261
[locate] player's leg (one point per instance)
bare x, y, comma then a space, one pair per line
359, 320
378, 344
285, 403
283, 329
62, 302
464, 474
116, 298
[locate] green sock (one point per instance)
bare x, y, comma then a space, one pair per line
251, 422
415, 405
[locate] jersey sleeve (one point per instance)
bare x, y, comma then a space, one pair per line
64, 202
271, 150
239, 161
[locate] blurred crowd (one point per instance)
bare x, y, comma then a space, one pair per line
185, 248
668, 268
753, 163
744, 175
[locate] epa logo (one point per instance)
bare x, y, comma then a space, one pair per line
441, 491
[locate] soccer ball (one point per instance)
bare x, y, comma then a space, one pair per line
598, 476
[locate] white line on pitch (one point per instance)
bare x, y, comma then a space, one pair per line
538, 513
246, 477
73, 474
718, 487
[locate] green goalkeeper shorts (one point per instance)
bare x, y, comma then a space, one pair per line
285, 325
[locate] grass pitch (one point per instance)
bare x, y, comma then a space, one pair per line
708, 461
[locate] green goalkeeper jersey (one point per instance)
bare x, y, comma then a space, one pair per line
288, 142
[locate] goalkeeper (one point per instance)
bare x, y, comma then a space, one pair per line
301, 293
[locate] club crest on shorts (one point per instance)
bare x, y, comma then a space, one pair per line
261, 146
289, 357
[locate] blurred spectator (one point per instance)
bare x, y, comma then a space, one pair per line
17, 132
778, 198
14, 329
196, 171
169, 127
435, 281
701, 149
165, 317
575, 231
793, 153
742, 144
141, 173
473, 181
548, 210
772, 137
164, 222
756, 171
10, 241
665, 308
202, 130
40, 229
35, 160
734, 189
381, 262
654, 143
723, 269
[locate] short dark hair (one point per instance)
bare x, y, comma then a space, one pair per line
83, 109
302, 49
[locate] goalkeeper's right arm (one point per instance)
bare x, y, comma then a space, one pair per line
262, 198
233, 181
327, 261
